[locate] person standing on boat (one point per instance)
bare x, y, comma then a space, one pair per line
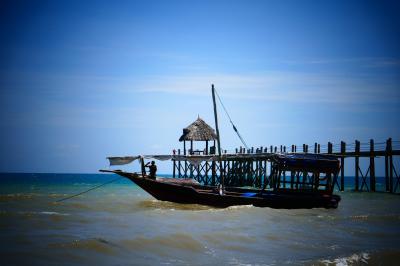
152, 168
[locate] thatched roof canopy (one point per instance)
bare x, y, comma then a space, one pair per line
198, 131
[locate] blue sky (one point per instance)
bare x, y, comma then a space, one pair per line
83, 81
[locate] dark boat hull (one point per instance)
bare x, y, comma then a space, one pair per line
205, 195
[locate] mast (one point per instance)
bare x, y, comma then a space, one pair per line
218, 138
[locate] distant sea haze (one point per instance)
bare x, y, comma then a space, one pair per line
121, 224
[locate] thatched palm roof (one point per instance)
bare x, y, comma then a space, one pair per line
198, 131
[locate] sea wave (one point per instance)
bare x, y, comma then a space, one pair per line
377, 257
54, 213
17, 196
163, 244
166, 205
354, 259
99, 245
32, 213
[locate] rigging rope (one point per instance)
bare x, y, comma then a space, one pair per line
80, 193
230, 120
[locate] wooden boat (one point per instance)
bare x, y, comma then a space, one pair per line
188, 191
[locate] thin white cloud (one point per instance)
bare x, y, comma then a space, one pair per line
288, 87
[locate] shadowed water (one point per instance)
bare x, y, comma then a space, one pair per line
120, 224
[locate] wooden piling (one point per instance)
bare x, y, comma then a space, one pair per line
357, 164
391, 165
372, 179
387, 180
174, 168
292, 173
329, 175
343, 152
179, 165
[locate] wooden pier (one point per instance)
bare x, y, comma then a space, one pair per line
250, 167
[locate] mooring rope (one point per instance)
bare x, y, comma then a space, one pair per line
230, 120
90, 189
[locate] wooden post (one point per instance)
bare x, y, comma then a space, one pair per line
330, 184
343, 151
372, 179
179, 164
191, 153
284, 149
391, 165
304, 148
292, 173
206, 173
271, 149
357, 164
252, 149
319, 148
213, 170
173, 171
315, 147
330, 148
387, 166
206, 147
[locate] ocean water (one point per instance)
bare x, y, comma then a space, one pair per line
119, 224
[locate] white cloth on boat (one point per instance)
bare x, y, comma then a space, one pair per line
159, 157
122, 160
192, 159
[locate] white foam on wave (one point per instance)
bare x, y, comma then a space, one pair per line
350, 260
54, 213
